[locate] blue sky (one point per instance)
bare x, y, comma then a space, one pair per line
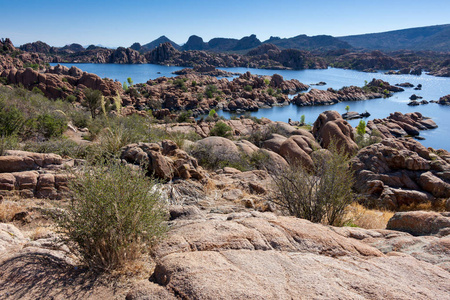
121, 23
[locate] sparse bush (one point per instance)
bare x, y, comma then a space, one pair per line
221, 129
60, 146
114, 216
302, 119
92, 100
320, 194
210, 90
184, 116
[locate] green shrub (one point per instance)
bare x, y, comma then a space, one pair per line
270, 91
8, 143
51, 125
115, 215
320, 194
37, 90
211, 113
184, 116
248, 88
221, 129
266, 81
71, 98
11, 119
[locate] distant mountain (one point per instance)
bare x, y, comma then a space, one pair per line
304, 42
435, 38
152, 45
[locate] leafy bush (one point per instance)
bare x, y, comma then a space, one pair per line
114, 216
11, 119
221, 129
248, 88
8, 143
320, 194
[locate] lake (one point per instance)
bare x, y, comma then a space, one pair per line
432, 89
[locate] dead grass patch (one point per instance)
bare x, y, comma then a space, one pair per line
360, 216
8, 209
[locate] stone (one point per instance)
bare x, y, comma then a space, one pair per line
419, 222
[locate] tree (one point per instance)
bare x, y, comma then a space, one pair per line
320, 194
361, 128
130, 81
347, 108
92, 100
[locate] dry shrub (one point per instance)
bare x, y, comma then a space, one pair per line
359, 216
115, 216
318, 194
39, 233
8, 210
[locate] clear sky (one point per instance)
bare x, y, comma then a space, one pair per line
121, 23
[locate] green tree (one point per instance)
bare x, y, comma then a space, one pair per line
92, 100
347, 108
130, 81
302, 119
361, 128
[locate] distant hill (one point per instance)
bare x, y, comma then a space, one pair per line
304, 42
435, 38
152, 45
300, 42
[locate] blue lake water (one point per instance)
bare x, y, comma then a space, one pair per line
432, 89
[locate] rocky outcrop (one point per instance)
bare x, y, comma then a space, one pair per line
60, 82
239, 248
200, 94
34, 174
375, 89
330, 129
368, 60
398, 125
400, 172
165, 161
205, 70
445, 100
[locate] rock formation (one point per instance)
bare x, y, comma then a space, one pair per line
400, 172
34, 174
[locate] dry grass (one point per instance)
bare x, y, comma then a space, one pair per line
40, 232
362, 217
8, 209
438, 205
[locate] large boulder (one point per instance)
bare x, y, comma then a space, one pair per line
419, 222
331, 128
262, 256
